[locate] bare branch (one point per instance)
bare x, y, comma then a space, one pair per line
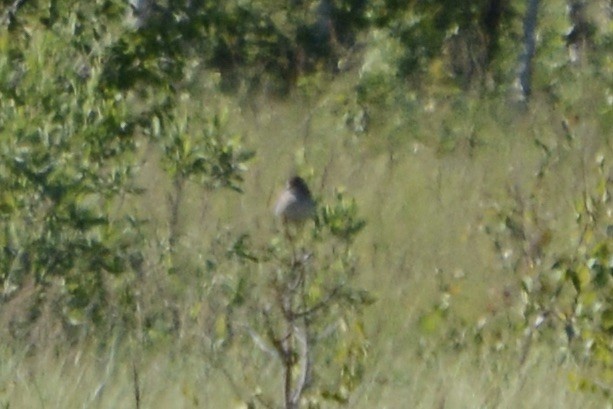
324, 303
277, 342
260, 342
301, 382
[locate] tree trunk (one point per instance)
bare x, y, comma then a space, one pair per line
524, 79
579, 36
491, 17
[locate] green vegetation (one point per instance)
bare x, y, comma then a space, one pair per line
462, 253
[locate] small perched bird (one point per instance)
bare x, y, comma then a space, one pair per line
295, 205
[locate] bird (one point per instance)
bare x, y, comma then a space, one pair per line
295, 204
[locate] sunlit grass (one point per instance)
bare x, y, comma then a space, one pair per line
397, 377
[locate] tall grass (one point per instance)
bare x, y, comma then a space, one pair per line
428, 184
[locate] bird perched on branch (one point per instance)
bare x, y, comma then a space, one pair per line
295, 205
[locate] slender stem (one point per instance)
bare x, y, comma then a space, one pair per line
288, 357
175, 200
136, 381
288, 383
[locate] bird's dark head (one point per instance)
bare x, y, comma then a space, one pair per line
296, 182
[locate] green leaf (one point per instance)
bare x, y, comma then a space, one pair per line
580, 277
606, 320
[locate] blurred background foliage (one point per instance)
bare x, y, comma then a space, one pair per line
117, 117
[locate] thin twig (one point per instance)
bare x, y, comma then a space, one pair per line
136, 381
277, 342
319, 305
260, 342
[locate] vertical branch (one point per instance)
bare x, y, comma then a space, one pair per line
175, 199
287, 306
288, 382
301, 336
288, 363
283, 348
295, 345
136, 381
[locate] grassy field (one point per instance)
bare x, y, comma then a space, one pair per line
431, 184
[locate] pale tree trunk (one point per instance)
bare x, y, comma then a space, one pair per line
579, 36
142, 11
7, 17
524, 78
